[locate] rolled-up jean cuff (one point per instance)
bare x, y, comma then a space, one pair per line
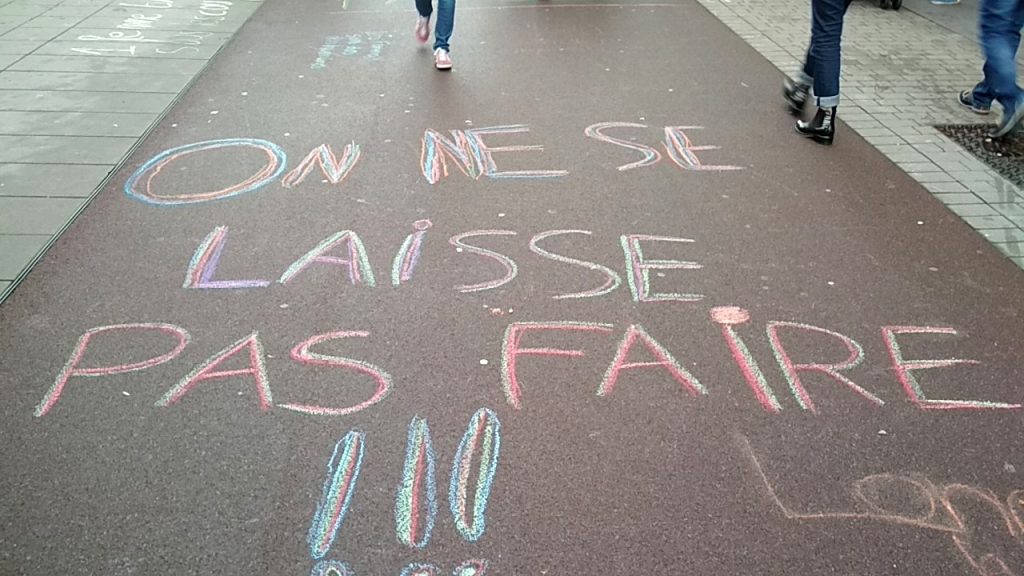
804, 79
826, 101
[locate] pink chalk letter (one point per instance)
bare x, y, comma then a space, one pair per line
511, 350
638, 269
485, 153
681, 150
355, 260
905, 372
302, 354
203, 266
510, 266
71, 366
792, 370
333, 169
664, 360
208, 371
612, 279
651, 156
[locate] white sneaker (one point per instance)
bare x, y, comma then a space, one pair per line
423, 29
442, 59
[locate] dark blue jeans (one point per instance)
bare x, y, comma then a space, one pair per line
445, 20
822, 64
999, 25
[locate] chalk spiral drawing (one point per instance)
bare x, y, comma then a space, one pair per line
651, 156
664, 359
613, 280
905, 373
332, 568
139, 184
335, 170
638, 270
681, 150
339, 486
511, 350
408, 255
357, 263
302, 354
932, 506
207, 371
792, 370
727, 317
204, 261
71, 366
510, 266
472, 156
416, 501
482, 437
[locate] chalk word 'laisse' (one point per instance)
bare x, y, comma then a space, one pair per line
250, 351
346, 251
464, 150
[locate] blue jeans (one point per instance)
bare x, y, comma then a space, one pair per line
445, 20
999, 25
822, 64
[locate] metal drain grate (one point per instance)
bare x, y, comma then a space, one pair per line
1005, 156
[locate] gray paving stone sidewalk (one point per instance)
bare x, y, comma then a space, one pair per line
81, 81
901, 74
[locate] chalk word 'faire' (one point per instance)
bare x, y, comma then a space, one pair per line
346, 251
249, 350
466, 150
914, 500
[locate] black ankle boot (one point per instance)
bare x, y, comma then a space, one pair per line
795, 94
822, 129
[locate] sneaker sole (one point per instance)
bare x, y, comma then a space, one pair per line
819, 139
978, 111
1012, 123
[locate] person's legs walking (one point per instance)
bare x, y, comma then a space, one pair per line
443, 32
999, 27
826, 36
795, 91
425, 8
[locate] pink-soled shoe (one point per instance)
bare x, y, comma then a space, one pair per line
442, 59
422, 29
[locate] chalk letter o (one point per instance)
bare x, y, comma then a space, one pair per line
138, 184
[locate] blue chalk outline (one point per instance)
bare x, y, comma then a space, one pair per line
282, 161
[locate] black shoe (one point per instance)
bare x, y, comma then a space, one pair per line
822, 129
795, 95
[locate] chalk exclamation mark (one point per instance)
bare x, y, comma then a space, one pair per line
416, 502
340, 484
483, 436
